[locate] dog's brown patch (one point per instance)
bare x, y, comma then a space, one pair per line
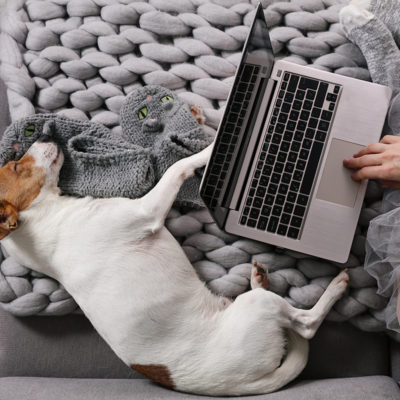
20, 184
157, 373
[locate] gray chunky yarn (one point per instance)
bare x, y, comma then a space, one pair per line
80, 58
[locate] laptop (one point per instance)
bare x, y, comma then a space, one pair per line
276, 173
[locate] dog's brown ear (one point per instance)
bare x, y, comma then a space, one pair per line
8, 218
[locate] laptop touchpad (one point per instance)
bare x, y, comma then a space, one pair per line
336, 184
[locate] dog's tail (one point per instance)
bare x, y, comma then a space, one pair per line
294, 363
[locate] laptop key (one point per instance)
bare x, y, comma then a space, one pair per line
323, 125
308, 105
243, 221
292, 197
307, 83
261, 191
275, 178
258, 202
278, 167
266, 211
293, 233
311, 169
289, 97
310, 94
269, 199
286, 178
273, 224
293, 83
262, 223
297, 105
302, 199
320, 136
279, 128
272, 188
327, 115
316, 112
289, 167
283, 188
288, 209
251, 223
285, 218
277, 211
295, 146
286, 107
320, 98
285, 146
280, 200
294, 115
281, 156
282, 229
296, 222
299, 211
310, 133
291, 125
300, 94
305, 115
254, 213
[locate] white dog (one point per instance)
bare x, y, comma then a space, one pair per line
134, 282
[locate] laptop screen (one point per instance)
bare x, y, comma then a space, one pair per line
258, 48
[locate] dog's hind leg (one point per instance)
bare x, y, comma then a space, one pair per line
306, 322
157, 203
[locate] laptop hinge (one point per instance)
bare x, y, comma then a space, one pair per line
248, 149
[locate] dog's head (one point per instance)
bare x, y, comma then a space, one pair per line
22, 182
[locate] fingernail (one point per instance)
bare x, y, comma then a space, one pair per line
346, 160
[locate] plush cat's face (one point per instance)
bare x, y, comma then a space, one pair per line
147, 111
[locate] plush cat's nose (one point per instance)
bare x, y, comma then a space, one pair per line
153, 125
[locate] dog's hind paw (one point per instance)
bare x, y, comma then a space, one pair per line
259, 276
339, 284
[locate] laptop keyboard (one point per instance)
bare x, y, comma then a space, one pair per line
287, 163
229, 131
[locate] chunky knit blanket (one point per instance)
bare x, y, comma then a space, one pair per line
80, 58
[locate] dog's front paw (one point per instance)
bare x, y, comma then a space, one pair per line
198, 114
259, 276
339, 284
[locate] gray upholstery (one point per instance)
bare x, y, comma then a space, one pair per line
68, 347
365, 388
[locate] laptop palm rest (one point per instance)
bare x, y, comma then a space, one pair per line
336, 184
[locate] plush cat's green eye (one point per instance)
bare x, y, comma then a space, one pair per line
142, 114
167, 98
29, 130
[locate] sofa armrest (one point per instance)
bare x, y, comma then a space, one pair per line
395, 360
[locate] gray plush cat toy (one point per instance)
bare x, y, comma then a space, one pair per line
157, 130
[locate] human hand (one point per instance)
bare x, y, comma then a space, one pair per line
378, 161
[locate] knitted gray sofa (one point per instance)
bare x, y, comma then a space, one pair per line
63, 358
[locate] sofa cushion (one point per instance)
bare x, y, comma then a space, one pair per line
69, 347
366, 388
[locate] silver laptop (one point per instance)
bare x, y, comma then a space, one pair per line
276, 172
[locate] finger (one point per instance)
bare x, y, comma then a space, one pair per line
392, 184
375, 172
364, 161
373, 148
390, 139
